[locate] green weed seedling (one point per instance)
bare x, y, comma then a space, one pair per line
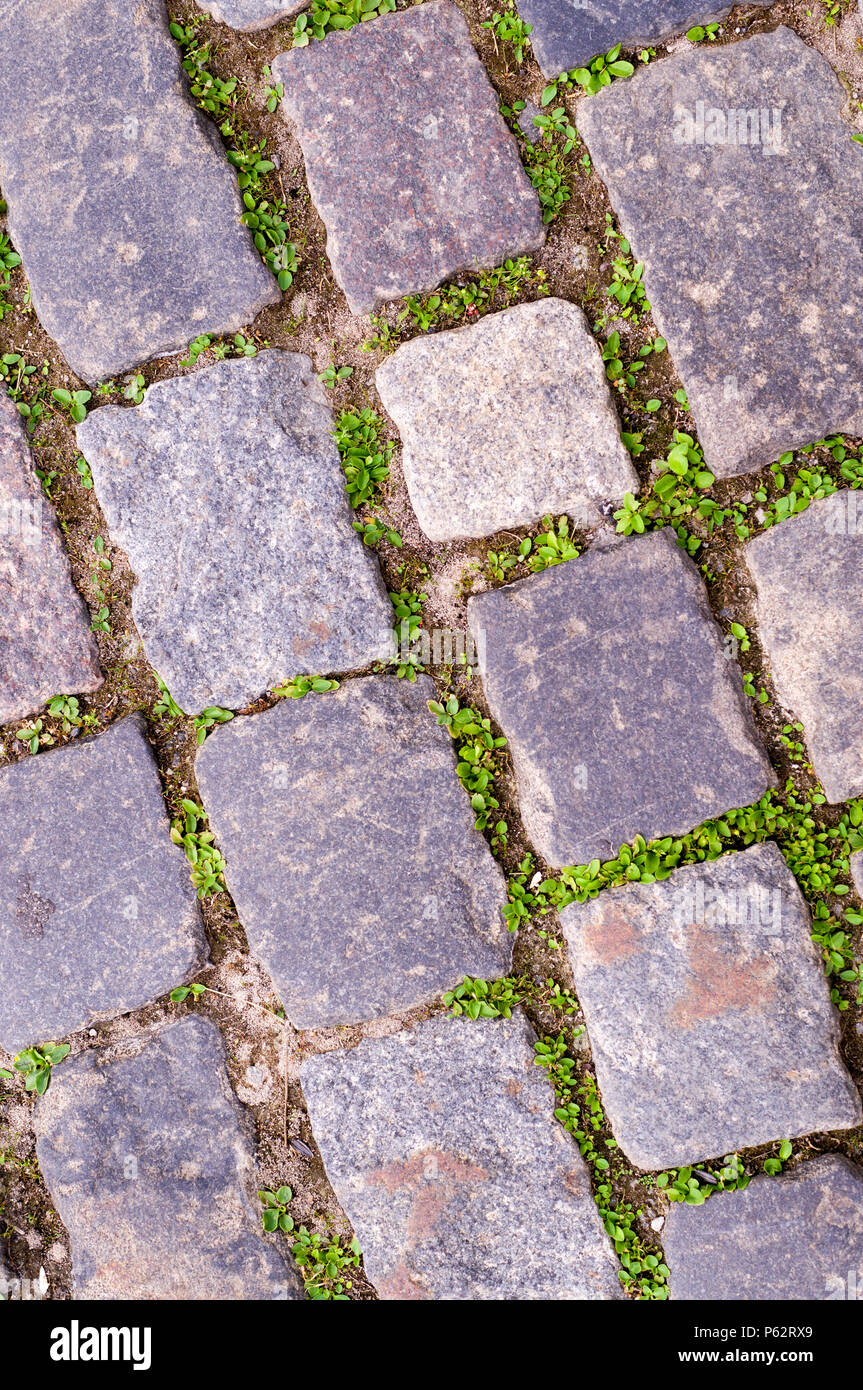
36, 1064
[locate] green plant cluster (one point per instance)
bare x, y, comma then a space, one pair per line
601, 72
190, 832
265, 212
479, 760
325, 1264
336, 14
642, 1272
492, 289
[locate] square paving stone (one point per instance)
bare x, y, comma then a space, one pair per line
746, 143
798, 1237
568, 33
505, 421
443, 1150
707, 1010
149, 1160
408, 159
810, 620
97, 912
609, 678
226, 492
856, 865
250, 15
351, 852
46, 646
121, 202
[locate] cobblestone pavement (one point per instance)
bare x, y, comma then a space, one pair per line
431, 771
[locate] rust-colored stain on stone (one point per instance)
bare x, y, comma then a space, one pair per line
434, 1179
719, 982
403, 1285
612, 937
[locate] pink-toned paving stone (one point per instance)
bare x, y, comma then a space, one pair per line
408, 160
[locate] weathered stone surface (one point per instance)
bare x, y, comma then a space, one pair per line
798, 1237
97, 912
408, 160
810, 620
250, 15
226, 492
505, 421
148, 1158
707, 1010
443, 1150
609, 678
121, 202
46, 646
761, 328
568, 33
351, 852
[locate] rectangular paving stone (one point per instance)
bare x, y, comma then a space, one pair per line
121, 202
505, 421
798, 1237
351, 851
226, 492
609, 678
408, 160
810, 620
746, 144
46, 646
707, 1010
250, 15
97, 912
443, 1151
568, 33
149, 1161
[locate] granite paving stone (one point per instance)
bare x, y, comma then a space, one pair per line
226, 492
505, 421
608, 676
798, 1237
148, 1158
810, 620
568, 33
121, 202
97, 912
46, 646
443, 1151
351, 851
250, 15
408, 160
707, 1010
731, 168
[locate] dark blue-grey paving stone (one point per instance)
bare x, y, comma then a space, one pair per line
121, 202
97, 912
797, 1237
709, 1017
408, 160
505, 421
46, 646
568, 33
351, 851
226, 492
810, 620
762, 330
250, 15
609, 678
149, 1160
443, 1150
